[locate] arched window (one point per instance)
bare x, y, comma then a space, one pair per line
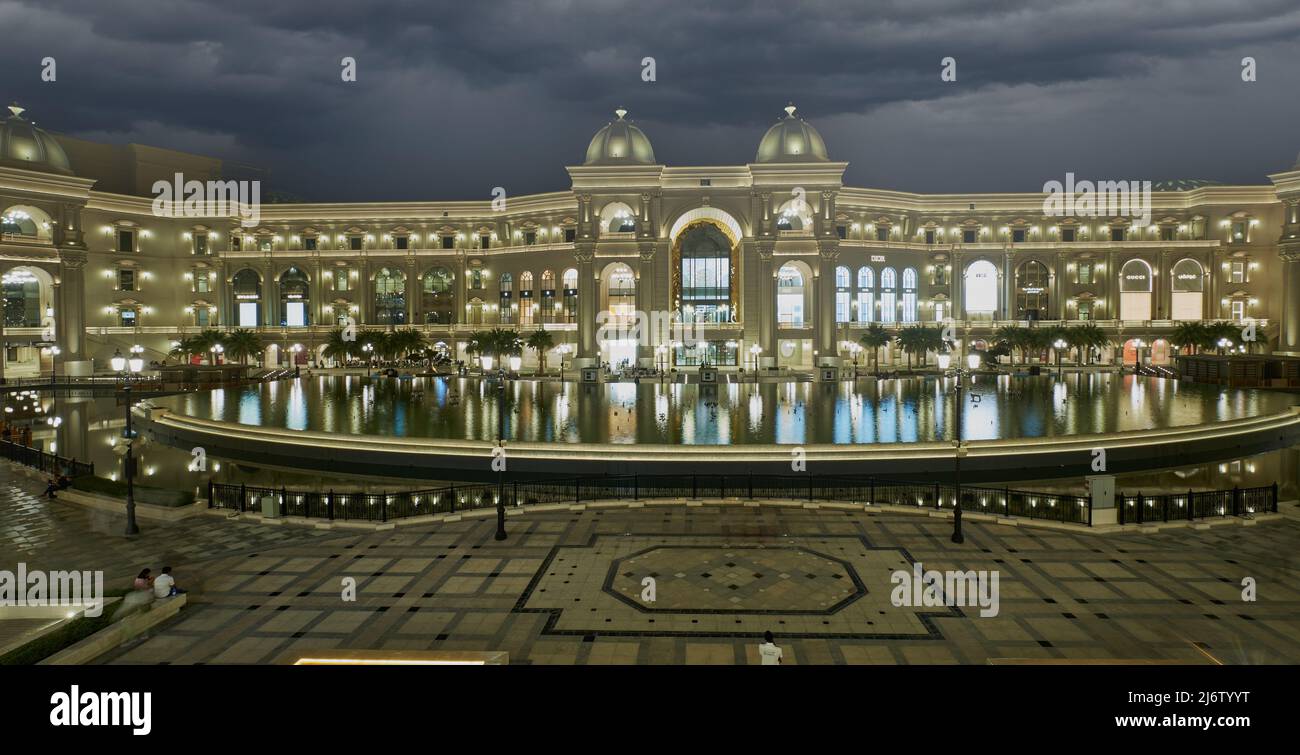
247, 288
866, 294
294, 299
527, 314
505, 306
571, 295
1135, 290
909, 295
549, 302
438, 297
790, 296
390, 297
618, 294
705, 274
981, 289
888, 295
1188, 286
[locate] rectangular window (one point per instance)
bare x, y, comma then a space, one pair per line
1117, 234
530, 238
1068, 235
201, 282
1085, 273
200, 315
940, 311
342, 279
866, 307
940, 277
1238, 233
402, 242
1167, 233
929, 236
126, 241
309, 243
448, 242
484, 241
1085, 310
126, 279
1238, 272
265, 244
882, 234
570, 235
1238, 309
968, 236
1018, 236
841, 306
235, 241
842, 231
126, 318
295, 314
354, 243
201, 244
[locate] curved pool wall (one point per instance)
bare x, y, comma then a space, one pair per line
1270, 423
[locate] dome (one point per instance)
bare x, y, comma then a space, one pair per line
791, 140
620, 143
22, 145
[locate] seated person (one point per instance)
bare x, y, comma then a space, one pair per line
165, 585
51, 485
143, 581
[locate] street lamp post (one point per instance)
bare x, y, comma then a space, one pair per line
54, 364
501, 435
755, 350
661, 356
1059, 345
973, 363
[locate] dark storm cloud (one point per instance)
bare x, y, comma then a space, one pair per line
455, 98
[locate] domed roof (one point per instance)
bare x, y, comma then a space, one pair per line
620, 143
791, 140
22, 145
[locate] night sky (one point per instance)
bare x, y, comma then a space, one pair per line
455, 98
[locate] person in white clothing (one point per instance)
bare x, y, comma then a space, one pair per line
768, 651
164, 586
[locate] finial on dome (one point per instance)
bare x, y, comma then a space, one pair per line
789, 110
15, 109
620, 113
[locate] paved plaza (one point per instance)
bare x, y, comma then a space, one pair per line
567, 586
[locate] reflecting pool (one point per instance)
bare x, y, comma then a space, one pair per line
888, 411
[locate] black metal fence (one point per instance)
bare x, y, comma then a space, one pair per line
45, 462
398, 505
1209, 504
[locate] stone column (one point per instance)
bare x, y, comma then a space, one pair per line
648, 337
1288, 334
585, 255
828, 254
766, 305
412, 291
70, 317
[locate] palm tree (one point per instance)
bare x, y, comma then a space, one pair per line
185, 348
875, 338
204, 341
1015, 338
1222, 331
1085, 338
337, 348
242, 344
1188, 336
405, 341
912, 341
540, 341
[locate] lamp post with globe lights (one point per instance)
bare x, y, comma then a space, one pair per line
755, 350
129, 366
1059, 345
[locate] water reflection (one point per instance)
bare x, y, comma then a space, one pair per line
891, 411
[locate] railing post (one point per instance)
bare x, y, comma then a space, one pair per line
1006, 501
209, 492
938, 502
1141, 517
751, 485
329, 504
695, 486
1190, 515
1165, 498
243, 492
871, 491
636, 488
452, 495
1273, 498
577, 492
284, 501
383, 507
514, 493
1236, 501
810, 498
